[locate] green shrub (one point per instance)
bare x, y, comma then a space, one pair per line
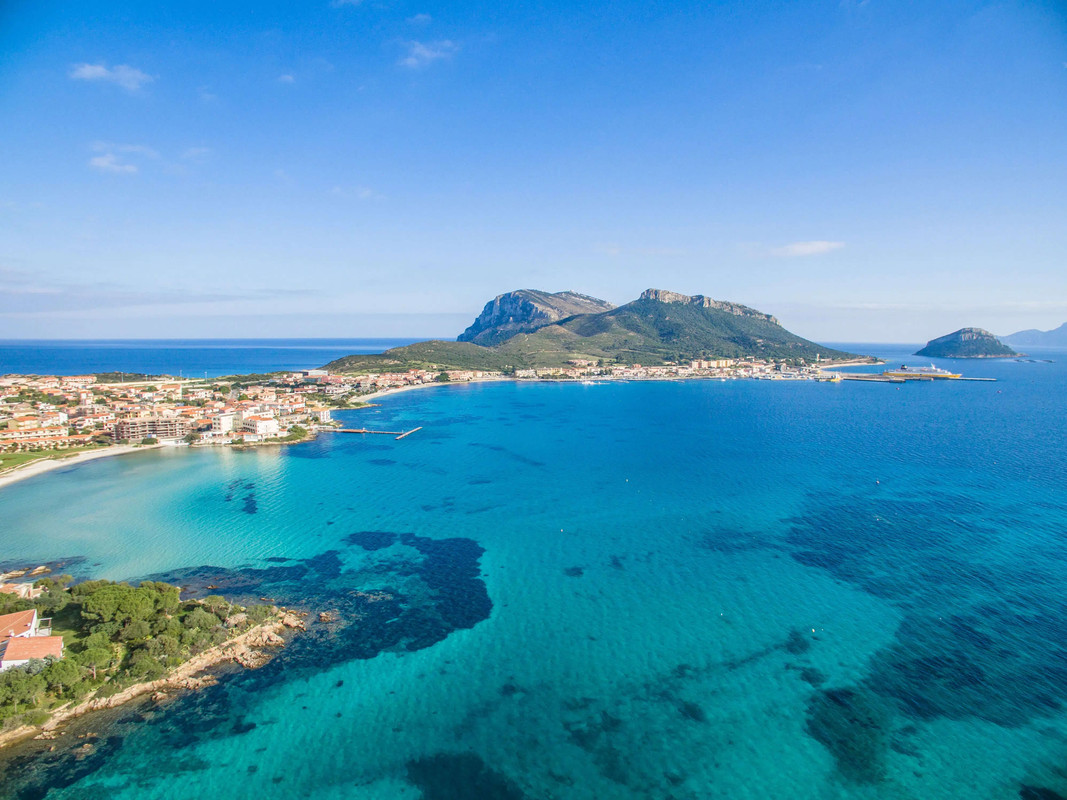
200, 618
144, 667
258, 613
37, 717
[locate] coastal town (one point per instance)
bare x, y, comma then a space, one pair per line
42, 413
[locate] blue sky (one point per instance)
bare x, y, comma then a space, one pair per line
866, 171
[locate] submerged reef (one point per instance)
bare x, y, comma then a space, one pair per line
460, 776
980, 637
410, 598
853, 724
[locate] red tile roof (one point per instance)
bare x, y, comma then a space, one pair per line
33, 647
20, 622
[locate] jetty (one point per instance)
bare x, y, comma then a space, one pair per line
885, 377
398, 434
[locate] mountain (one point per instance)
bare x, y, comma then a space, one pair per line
665, 326
527, 310
1035, 338
658, 327
967, 343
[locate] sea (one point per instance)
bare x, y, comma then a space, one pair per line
690, 589
190, 358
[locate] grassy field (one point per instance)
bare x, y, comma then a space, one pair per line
9, 461
67, 622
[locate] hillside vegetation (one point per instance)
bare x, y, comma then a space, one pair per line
967, 343
115, 635
657, 328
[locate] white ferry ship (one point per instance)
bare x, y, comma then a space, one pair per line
920, 373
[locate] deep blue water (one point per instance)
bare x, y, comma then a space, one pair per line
740, 589
188, 357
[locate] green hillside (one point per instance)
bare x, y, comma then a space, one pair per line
967, 343
648, 331
433, 354
652, 332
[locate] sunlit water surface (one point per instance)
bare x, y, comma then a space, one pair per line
694, 589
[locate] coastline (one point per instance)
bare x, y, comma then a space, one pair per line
35, 468
245, 649
864, 362
414, 386
45, 465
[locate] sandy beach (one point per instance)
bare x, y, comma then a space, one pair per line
398, 389
35, 468
859, 362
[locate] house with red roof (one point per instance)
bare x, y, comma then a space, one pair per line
19, 652
24, 637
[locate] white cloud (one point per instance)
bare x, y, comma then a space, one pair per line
422, 53
109, 162
286, 79
359, 193
420, 19
133, 149
343, 3
197, 154
129, 78
796, 249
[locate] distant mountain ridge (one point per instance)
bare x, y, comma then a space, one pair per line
527, 328
1057, 337
967, 343
526, 310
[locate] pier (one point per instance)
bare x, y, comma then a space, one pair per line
899, 378
398, 434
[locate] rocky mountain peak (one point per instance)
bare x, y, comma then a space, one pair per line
665, 296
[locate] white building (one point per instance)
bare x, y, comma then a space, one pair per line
263, 426
222, 423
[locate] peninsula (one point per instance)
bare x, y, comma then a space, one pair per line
528, 329
69, 650
967, 343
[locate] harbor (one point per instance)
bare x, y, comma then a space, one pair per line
905, 374
398, 434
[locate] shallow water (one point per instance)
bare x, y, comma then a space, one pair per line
689, 590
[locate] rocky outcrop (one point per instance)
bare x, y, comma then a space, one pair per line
245, 649
291, 620
967, 343
527, 310
738, 310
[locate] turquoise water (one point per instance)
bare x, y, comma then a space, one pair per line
695, 589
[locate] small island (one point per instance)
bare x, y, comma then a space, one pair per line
967, 343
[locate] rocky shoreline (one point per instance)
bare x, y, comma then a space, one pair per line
249, 650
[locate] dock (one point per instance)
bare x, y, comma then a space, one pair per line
871, 377
398, 434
